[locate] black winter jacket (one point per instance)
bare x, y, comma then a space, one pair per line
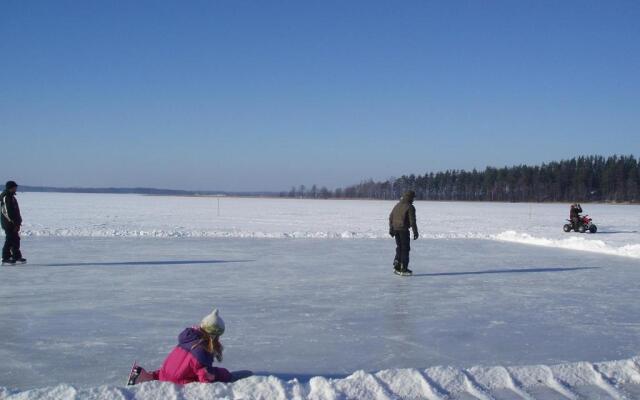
575, 212
10, 217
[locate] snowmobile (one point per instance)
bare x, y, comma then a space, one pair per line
586, 224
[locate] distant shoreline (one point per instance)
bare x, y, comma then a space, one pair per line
257, 195
141, 190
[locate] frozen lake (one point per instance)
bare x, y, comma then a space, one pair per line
298, 308
306, 290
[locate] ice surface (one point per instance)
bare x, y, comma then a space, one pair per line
313, 307
99, 293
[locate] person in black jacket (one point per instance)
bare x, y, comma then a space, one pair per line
403, 217
11, 222
574, 215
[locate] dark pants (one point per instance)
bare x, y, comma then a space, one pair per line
575, 221
403, 246
11, 247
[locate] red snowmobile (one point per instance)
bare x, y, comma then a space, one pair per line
585, 224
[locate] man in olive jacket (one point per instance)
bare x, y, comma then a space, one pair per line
403, 217
11, 221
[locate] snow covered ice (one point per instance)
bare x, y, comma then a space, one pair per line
503, 304
90, 215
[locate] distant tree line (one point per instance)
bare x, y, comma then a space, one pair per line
143, 191
586, 178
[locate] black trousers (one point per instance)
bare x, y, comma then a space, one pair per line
11, 247
403, 247
575, 221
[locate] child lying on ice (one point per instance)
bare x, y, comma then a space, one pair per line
191, 360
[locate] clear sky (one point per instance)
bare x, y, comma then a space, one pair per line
263, 95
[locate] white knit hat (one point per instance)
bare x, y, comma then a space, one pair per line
213, 324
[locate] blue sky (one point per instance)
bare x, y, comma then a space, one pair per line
263, 95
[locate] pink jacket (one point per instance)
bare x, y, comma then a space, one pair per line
190, 362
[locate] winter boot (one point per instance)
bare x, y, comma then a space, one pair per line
20, 260
8, 261
396, 265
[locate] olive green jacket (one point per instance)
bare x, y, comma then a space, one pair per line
403, 216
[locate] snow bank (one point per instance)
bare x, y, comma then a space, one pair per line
238, 234
571, 243
615, 379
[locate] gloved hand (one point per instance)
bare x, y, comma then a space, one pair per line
415, 236
217, 349
391, 232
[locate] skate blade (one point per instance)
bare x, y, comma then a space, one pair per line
133, 374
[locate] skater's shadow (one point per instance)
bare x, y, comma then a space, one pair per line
506, 271
145, 263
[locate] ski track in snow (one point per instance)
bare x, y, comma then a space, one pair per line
608, 380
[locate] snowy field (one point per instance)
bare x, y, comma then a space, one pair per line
503, 304
90, 215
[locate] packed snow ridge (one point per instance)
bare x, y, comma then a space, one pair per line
611, 380
571, 243
177, 233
